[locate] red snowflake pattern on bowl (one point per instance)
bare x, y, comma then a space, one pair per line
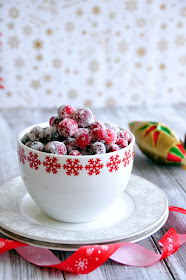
51, 165
126, 159
114, 163
34, 162
22, 156
94, 166
133, 153
72, 167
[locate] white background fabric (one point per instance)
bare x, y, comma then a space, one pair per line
92, 53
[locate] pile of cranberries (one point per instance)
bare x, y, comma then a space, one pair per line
76, 132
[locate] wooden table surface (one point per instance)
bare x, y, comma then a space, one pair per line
171, 180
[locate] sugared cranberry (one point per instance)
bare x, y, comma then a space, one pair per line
28, 144
98, 124
36, 133
70, 144
127, 135
65, 111
54, 121
113, 126
113, 148
80, 131
83, 117
67, 127
98, 134
111, 136
121, 142
56, 147
25, 138
97, 148
83, 140
51, 134
75, 153
38, 146
47, 146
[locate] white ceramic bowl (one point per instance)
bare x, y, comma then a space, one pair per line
74, 188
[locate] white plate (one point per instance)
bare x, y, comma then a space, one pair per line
71, 247
141, 209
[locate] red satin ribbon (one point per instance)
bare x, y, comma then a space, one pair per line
88, 258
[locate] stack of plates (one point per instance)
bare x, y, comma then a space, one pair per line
142, 210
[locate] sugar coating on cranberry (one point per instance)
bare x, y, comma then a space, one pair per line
54, 121
38, 146
113, 148
111, 136
75, 153
97, 148
51, 133
56, 147
121, 142
28, 144
98, 124
80, 131
25, 138
83, 117
113, 126
36, 133
127, 135
67, 127
83, 140
98, 134
47, 146
65, 111
70, 144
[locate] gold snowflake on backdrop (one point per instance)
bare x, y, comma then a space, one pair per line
38, 44
183, 12
27, 30
180, 24
163, 26
180, 40
35, 84
94, 66
47, 77
141, 22
49, 31
13, 12
72, 93
39, 57
141, 51
10, 26
13, 42
131, 5
19, 62
122, 46
162, 45
162, 66
79, 12
57, 63
96, 10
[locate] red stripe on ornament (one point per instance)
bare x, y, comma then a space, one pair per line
150, 129
156, 135
172, 157
181, 148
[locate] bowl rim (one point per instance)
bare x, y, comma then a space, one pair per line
46, 124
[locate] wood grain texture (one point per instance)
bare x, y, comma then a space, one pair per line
171, 180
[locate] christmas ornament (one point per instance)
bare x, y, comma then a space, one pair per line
159, 142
